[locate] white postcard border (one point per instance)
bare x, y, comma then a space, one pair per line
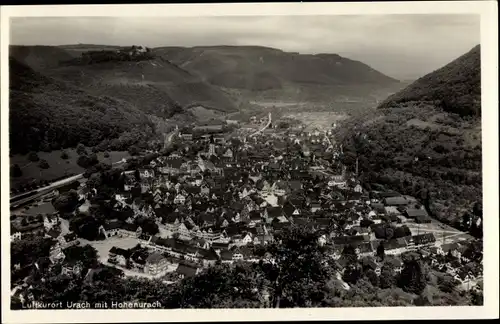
489, 71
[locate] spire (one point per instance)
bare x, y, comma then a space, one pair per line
211, 150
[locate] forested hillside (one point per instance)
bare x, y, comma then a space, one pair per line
48, 114
133, 74
456, 87
416, 146
258, 68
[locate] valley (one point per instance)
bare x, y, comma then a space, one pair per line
132, 96
200, 171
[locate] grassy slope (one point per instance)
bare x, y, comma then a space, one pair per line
58, 166
165, 90
40, 57
446, 143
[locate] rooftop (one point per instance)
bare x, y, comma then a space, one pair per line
155, 257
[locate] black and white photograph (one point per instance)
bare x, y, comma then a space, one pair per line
259, 159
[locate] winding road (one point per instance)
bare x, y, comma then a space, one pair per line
168, 138
263, 128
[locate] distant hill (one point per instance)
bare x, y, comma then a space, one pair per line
456, 87
426, 141
48, 114
154, 85
40, 57
259, 68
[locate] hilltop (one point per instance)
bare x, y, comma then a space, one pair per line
40, 57
48, 114
456, 87
133, 74
426, 140
257, 68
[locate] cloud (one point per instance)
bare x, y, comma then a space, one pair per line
399, 45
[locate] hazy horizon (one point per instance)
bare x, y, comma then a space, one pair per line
405, 47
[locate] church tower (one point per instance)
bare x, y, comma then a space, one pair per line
211, 150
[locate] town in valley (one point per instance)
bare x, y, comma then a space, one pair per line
177, 214
242, 176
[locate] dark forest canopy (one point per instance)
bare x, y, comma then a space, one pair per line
415, 145
48, 114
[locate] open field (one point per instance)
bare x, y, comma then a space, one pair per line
103, 247
443, 233
201, 113
58, 166
316, 119
40, 208
278, 104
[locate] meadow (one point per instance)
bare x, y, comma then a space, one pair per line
58, 167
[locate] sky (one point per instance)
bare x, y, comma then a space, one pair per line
402, 46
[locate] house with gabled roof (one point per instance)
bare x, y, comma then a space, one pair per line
322, 223
423, 239
228, 153
255, 218
186, 270
280, 222
315, 206
396, 201
219, 246
358, 188
130, 230
179, 199
280, 188
226, 256
156, 264
68, 240
395, 246
365, 249
50, 221
369, 263
118, 256
237, 255
200, 243
208, 256
53, 233
396, 264
270, 213
146, 173
204, 190
72, 267
55, 254
452, 248
290, 210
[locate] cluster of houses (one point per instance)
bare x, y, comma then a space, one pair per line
238, 194
27, 226
46, 226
